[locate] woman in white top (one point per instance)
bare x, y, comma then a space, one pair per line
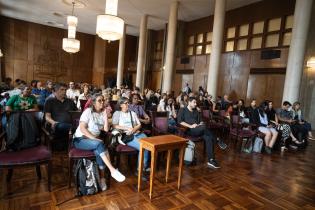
171, 112
92, 121
84, 96
128, 122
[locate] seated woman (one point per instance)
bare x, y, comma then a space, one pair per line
297, 115
283, 127
128, 122
171, 113
84, 96
92, 121
260, 118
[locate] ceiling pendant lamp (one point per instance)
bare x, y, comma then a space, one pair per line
109, 26
1, 54
71, 44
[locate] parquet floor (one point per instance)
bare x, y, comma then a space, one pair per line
245, 181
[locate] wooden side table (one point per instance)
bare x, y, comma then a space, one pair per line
161, 143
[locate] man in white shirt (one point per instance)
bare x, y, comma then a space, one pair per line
72, 93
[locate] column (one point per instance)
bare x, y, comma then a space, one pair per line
98, 75
217, 39
142, 51
170, 48
302, 15
121, 59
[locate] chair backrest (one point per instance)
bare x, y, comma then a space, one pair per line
75, 118
160, 121
82, 104
205, 113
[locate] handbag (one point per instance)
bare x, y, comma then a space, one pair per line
128, 138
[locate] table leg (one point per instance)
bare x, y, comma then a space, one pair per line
180, 168
140, 169
169, 159
153, 160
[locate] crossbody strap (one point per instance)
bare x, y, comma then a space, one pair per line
131, 119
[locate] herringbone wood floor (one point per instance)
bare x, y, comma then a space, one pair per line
245, 181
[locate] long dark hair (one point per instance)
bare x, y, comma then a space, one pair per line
262, 108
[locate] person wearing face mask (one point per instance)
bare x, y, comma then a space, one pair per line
190, 118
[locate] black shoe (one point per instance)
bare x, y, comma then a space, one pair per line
213, 163
144, 178
221, 144
268, 150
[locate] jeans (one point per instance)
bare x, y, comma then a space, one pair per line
207, 137
62, 129
91, 144
135, 144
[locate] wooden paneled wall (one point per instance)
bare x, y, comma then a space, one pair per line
34, 51
234, 71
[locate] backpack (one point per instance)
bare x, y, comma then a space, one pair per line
87, 180
258, 144
189, 157
22, 131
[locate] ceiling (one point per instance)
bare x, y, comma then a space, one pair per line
54, 12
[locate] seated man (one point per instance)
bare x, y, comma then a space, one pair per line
189, 117
57, 111
138, 109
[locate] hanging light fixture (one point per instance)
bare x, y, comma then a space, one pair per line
1, 55
70, 44
109, 26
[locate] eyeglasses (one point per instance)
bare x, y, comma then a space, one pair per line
101, 100
126, 102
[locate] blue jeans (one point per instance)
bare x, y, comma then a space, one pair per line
91, 144
135, 144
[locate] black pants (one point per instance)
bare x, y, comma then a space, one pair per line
299, 131
206, 134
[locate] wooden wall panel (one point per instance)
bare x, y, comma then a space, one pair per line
34, 51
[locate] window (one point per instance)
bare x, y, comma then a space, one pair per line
231, 32
200, 38
244, 30
209, 36
191, 40
256, 43
242, 44
208, 48
272, 40
289, 22
199, 50
286, 39
258, 27
274, 24
190, 51
229, 46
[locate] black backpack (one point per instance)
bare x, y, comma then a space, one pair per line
87, 180
22, 131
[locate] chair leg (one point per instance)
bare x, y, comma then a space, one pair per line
70, 163
49, 168
9, 175
38, 172
129, 162
118, 160
108, 176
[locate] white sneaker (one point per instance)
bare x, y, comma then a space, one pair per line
103, 184
118, 176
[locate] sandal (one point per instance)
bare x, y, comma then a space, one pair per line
311, 138
296, 141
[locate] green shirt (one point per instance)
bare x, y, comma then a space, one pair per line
19, 103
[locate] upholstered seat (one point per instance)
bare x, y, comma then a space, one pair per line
26, 156
242, 133
79, 153
125, 148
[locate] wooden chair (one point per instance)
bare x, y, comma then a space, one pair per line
82, 104
240, 131
35, 156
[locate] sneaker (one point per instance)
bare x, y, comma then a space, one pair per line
103, 184
283, 148
213, 163
221, 144
118, 176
